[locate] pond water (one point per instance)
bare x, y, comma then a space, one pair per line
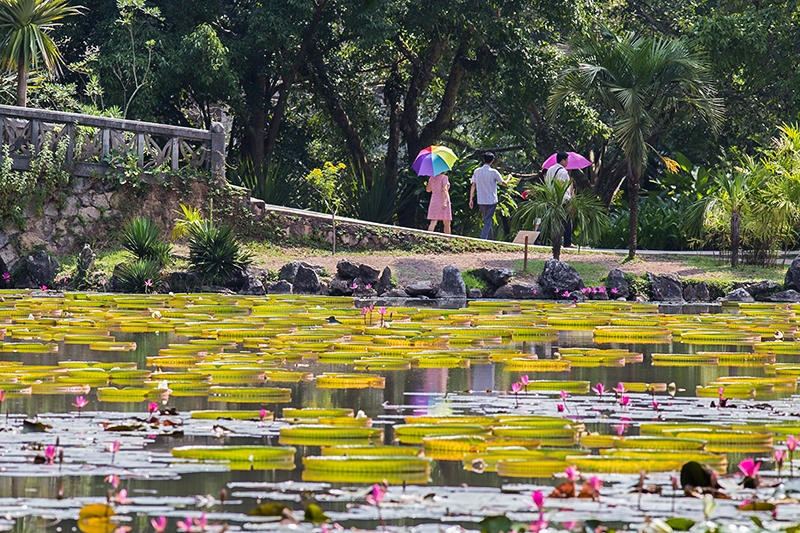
433, 371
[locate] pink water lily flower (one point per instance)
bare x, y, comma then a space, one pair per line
624, 401
595, 483
524, 194
791, 443
377, 494
601, 289
620, 388
262, 414
50, 454
201, 522
599, 389
563, 395
655, 405
524, 380
364, 310
538, 499
2, 395
749, 467
621, 429
572, 473
152, 407
614, 290
515, 387
382, 311
184, 525
560, 407
113, 479
122, 497
368, 286
80, 402
113, 447
779, 455
159, 524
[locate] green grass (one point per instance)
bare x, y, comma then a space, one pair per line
592, 274
714, 270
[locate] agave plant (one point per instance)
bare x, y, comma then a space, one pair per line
214, 253
140, 276
142, 238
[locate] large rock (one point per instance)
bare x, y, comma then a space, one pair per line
280, 287
474, 294
306, 281
790, 295
340, 286
666, 287
181, 282
253, 287
452, 285
368, 274
696, 292
422, 288
495, 276
385, 282
396, 292
738, 295
558, 278
617, 284
347, 269
289, 270
761, 290
519, 291
41, 269
85, 263
792, 278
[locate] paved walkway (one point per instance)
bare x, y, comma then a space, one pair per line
345, 220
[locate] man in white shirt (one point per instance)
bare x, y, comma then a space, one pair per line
485, 180
560, 172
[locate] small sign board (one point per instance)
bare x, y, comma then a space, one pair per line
520, 238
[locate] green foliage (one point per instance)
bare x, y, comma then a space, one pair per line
140, 276
640, 286
15, 188
717, 288
142, 237
274, 184
26, 44
547, 202
473, 281
662, 224
214, 253
191, 216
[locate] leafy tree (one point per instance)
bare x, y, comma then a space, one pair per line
643, 84
548, 201
327, 182
26, 25
732, 197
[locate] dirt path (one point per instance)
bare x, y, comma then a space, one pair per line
410, 267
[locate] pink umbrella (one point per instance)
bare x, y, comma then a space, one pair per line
573, 161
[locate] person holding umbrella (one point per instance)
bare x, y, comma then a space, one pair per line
435, 161
558, 166
485, 180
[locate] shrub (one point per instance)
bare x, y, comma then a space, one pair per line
141, 276
640, 286
473, 281
142, 238
214, 254
717, 288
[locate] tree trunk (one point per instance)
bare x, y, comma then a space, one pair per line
22, 86
392, 95
735, 237
342, 119
253, 143
557, 237
288, 81
633, 200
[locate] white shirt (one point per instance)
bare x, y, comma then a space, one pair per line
560, 173
486, 179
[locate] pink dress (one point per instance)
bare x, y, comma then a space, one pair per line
436, 210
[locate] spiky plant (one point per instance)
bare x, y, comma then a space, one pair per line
141, 276
214, 254
142, 238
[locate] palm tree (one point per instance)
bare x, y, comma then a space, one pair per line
732, 198
26, 26
643, 83
547, 201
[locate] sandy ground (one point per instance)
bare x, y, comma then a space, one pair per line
415, 267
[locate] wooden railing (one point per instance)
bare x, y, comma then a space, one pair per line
96, 144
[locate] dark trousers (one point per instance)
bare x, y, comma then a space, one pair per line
568, 232
488, 218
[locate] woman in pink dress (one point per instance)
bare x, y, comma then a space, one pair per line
439, 209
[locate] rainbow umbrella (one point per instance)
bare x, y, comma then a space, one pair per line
434, 160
